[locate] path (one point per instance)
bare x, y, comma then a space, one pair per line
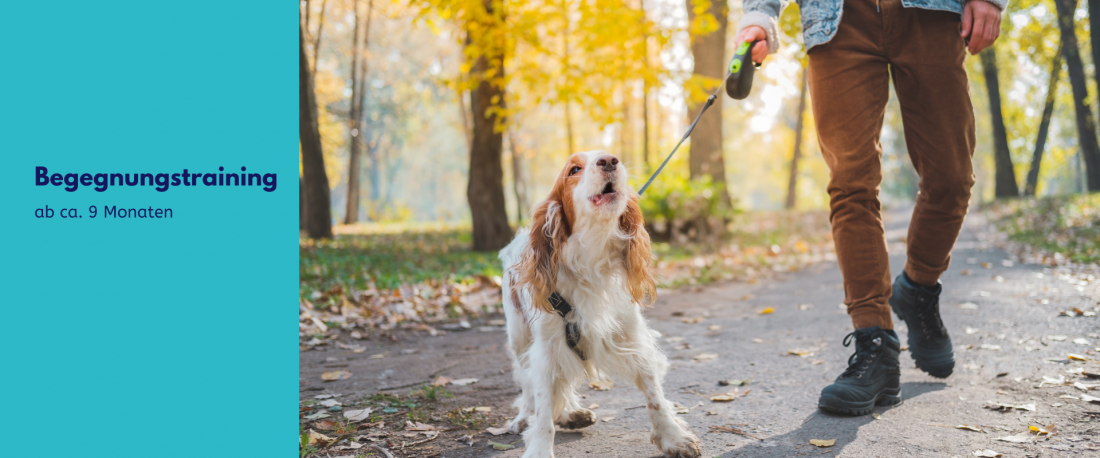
781, 407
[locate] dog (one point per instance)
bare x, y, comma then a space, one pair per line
587, 243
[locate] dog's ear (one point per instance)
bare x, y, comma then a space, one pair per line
638, 255
538, 268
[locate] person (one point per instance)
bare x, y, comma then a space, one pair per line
855, 47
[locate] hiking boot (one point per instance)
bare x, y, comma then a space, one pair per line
919, 307
872, 375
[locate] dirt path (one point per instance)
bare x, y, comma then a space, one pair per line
781, 408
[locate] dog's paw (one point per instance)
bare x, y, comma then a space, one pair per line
517, 425
577, 419
678, 444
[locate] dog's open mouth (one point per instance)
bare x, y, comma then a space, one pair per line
606, 195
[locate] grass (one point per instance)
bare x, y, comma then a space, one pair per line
1064, 226
390, 258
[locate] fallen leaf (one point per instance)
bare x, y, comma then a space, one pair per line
442, 381
1086, 386
378, 356
990, 347
877, 416
800, 352
607, 419
987, 265
500, 446
805, 307
1080, 341
358, 415
1057, 338
418, 426
1021, 438
463, 381
1092, 399
497, 431
317, 415
965, 271
714, 327
483, 409
970, 428
970, 330
330, 402
823, 442
319, 440
1009, 407
335, 375
594, 406
1076, 357
987, 454
601, 385
968, 306
730, 396
692, 320
733, 382
1045, 430
325, 424
1090, 374
767, 311
705, 356
758, 340
351, 446
323, 396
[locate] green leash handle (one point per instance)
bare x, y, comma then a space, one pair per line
739, 80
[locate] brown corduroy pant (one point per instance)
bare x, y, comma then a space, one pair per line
849, 87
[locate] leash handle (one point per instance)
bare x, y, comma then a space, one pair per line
739, 78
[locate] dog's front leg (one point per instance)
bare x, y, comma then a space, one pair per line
670, 434
539, 436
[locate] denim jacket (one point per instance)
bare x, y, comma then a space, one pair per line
820, 18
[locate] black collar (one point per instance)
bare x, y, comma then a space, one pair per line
572, 334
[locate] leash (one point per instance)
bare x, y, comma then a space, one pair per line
738, 83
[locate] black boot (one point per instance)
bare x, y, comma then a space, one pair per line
919, 307
872, 375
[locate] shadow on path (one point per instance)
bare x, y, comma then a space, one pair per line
821, 425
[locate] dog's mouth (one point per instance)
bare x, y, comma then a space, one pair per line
607, 194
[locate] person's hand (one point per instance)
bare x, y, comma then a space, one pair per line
981, 22
754, 33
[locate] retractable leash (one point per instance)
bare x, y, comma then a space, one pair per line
738, 84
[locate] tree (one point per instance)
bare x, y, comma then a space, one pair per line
1005, 175
1086, 125
355, 114
708, 21
1044, 126
792, 182
485, 44
315, 181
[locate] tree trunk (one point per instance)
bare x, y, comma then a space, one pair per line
709, 52
1086, 125
301, 204
1005, 175
315, 182
519, 183
317, 38
1044, 126
485, 189
1094, 35
792, 182
357, 115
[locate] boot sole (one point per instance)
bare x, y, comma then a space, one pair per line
936, 367
886, 397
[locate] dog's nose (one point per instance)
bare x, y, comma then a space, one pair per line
607, 162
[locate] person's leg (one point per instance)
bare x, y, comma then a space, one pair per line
927, 61
849, 87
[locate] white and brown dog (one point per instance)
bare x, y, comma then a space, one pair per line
587, 242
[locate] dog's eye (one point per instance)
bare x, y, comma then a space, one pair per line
574, 170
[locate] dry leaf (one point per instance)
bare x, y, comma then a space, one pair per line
1057, 338
442, 381
987, 454
1080, 341
730, 396
714, 327
968, 306
1040, 431
1021, 438
325, 424
1009, 407
463, 381
1076, 357
692, 320
418, 426
705, 356
483, 409
358, 415
990, 347
601, 385
970, 330
877, 416
594, 406
767, 311
986, 265
1092, 399
970, 428
497, 431
330, 402
335, 375
758, 340
319, 440
317, 415
823, 442
800, 352
607, 419
500, 446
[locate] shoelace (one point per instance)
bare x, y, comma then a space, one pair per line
861, 360
929, 318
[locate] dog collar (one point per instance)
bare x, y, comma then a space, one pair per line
572, 334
